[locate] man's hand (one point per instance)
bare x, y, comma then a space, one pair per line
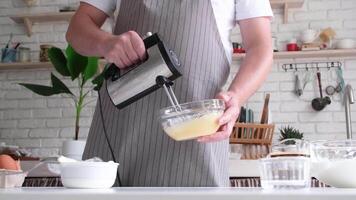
227, 120
124, 50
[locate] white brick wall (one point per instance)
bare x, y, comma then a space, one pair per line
41, 124
28, 120
287, 108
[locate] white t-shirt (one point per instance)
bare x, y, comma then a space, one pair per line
224, 11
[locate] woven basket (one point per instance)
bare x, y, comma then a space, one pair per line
248, 133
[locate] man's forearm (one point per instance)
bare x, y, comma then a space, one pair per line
85, 35
252, 73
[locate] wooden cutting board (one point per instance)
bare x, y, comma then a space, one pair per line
264, 117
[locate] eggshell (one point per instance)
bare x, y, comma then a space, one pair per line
7, 162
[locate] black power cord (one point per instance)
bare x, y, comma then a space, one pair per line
107, 138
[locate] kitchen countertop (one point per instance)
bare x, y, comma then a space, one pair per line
135, 193
237, 168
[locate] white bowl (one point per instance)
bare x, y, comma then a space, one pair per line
91, 175
309, 35
346, 44
334, 162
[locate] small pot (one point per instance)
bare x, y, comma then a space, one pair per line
73, 149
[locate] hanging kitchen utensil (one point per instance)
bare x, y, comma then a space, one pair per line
307, 78
338, 88
341, 80
298, 85
319, 104
330, 89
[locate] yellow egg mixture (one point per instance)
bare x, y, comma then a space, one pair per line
202, 126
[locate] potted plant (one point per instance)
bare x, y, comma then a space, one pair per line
289, 132
70, 64
292, 142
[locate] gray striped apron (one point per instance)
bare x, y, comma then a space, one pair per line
147, 156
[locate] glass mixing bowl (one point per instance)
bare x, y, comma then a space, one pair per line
285, 172
11, 178
192, 120
334, 162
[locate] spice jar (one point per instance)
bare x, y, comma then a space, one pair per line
24, 54
44, 52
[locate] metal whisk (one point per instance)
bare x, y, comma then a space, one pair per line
167, 85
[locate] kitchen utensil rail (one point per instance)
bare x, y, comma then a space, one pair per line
311, 66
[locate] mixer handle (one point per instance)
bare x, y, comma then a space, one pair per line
115, 73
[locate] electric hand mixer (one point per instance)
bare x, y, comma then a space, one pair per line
160, 69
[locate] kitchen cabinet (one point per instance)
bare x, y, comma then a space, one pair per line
135, 193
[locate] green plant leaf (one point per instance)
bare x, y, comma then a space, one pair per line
76, 63
58, 60
91, 69
40, 89
59, 86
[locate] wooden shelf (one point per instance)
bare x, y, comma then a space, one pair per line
28, 65
286, 5
36, 65
29, 2
307, 54
29, 19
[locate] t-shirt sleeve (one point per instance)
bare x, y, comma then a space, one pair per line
107, 6
246, 9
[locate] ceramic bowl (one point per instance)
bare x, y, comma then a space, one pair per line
90, 175
346, 44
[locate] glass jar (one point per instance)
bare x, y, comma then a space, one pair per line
24, 54
44, 52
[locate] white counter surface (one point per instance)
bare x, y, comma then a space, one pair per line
237, 168
243, 168
176, 194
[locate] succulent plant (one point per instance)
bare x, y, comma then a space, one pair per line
289, 132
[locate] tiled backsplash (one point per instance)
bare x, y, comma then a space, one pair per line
41, 124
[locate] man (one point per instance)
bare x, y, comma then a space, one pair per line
197, 30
